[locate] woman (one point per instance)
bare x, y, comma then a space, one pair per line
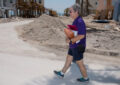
77, 44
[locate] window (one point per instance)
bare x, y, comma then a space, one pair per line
4, 2
96, 3
24, 0
39, 1
0, 3
11, 1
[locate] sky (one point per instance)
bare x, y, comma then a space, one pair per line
58, 5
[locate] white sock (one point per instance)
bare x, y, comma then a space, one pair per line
85, 78
62, 73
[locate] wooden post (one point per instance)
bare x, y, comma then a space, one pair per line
78, 1
81, 7
87, 5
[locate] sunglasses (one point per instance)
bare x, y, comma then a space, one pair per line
70, 11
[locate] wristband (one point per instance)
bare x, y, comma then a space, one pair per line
70, 41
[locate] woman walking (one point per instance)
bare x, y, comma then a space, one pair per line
77, 45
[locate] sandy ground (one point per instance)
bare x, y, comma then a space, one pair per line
10, 43
23, 64
23, 70
49, 31
13, 19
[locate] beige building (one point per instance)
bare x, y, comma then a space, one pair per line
8, 7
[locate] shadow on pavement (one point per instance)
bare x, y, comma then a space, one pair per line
100, 77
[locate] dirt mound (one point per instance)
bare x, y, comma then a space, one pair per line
45, 30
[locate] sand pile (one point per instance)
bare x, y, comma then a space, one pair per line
45, 30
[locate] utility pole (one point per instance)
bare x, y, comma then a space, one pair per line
80, 2
81, 7
87, 5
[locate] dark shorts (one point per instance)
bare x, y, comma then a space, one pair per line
76, 52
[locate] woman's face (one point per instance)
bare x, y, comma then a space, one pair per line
73, 14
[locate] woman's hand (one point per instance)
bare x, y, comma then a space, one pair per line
73, 40
79, 37
70, 40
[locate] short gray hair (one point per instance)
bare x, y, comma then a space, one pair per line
76, 8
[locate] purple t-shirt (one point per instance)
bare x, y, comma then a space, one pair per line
79, 28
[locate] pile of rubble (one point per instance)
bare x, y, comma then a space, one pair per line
45, 30
112, 25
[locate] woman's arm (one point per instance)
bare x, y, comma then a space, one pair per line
79, 37
81, 31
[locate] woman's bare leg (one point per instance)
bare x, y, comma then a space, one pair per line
82, 68
67, 63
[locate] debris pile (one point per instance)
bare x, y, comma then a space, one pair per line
45, 30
